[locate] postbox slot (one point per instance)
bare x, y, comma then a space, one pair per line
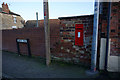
78, 34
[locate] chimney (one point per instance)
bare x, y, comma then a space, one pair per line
5, 8
6, 5
3, 3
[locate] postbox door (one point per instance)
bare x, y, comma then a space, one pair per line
79, 34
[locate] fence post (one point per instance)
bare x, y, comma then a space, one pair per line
18, 48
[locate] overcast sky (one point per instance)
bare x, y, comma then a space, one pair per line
56, 9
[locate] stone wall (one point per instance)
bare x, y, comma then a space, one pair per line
66, 49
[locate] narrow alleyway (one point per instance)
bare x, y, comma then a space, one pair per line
14, 66
24, 67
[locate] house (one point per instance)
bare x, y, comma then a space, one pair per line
9, 19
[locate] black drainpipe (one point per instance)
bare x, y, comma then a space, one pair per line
108, 35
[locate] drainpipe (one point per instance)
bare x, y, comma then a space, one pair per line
108, 35
95, 37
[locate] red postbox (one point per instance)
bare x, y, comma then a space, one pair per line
79, 34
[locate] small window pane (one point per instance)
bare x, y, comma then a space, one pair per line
15, 21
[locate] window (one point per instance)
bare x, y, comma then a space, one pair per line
15, 20
14, 27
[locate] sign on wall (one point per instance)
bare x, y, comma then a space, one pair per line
26, 41
22, 40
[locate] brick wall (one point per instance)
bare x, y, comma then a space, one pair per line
66, 49
36, 37
115, 31
54, 28
114, 26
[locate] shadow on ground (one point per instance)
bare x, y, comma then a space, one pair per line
14, 66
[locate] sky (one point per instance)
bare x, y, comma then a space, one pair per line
56, 9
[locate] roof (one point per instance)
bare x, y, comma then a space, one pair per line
12, 13
52, 22
76, 16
